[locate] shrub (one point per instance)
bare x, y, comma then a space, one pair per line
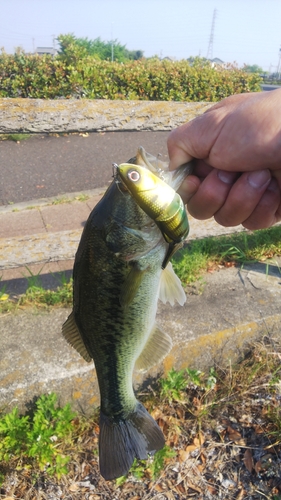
47, 77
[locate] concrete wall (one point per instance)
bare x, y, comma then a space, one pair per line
83, 115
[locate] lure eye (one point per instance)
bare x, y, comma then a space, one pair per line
133, 175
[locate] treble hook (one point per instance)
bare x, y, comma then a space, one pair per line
116, 178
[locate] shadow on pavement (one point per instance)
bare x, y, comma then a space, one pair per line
48, 281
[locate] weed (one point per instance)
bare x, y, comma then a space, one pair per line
159, 460
14, 137
3, 295
173, 385
152, 467
37, 437
176, 383
81, 197
38, 296
33, 280
59, 201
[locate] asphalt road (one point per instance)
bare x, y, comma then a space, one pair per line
44, 166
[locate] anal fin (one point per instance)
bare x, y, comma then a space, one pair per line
157, 347
73, 336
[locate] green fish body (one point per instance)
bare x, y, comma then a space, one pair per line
117, 281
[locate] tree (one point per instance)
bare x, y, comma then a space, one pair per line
74, 47
253, 68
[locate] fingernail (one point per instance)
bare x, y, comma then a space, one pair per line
259, 179
227, 177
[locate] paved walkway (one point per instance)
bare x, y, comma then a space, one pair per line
43, 235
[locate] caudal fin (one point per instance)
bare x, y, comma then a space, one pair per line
120, 442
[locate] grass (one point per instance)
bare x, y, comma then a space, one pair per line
199, 256
80, 197
36, 295
14, 137
221, 427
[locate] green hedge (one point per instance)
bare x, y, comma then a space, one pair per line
48, 77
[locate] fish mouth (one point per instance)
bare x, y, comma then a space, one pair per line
152, 163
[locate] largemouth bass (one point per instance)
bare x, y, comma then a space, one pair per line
117, 280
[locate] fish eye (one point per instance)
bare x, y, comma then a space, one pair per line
133, 175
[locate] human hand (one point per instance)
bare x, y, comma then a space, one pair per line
237, 174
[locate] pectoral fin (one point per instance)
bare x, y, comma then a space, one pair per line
156, 348
131, 286
73, 337
170, 287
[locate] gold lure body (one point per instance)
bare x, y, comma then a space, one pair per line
158, 200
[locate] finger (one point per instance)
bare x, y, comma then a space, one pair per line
267, 212
192, 182
189, 187
243, 198
178, 152
211, 194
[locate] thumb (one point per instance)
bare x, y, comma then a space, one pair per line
177, 147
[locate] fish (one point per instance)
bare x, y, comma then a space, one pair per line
117, 281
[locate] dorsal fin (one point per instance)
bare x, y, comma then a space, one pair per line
73, 336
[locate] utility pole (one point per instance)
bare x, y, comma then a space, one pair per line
211, 39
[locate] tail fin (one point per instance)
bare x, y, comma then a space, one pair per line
120, 442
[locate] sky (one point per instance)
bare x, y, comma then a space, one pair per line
245, 31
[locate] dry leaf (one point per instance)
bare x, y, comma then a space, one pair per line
184, 454
199, 440
258, 429
258, 466
191, 447
158, 487
233, 434
212, 489
248, 460
180, 489
74, 487
240, 494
